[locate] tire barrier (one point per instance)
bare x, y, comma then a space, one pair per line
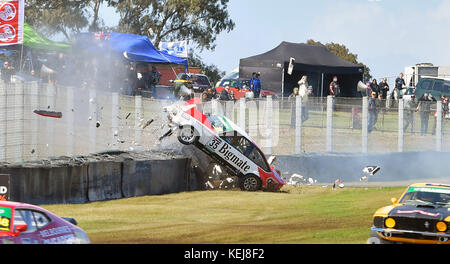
395, 167
99, 177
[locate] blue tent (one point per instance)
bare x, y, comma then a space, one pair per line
134, 48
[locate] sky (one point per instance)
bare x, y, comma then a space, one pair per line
387, 35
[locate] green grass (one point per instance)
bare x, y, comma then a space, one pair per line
298, 215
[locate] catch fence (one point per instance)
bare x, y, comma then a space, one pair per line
95, 121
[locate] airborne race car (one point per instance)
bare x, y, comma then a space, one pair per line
421, 215
226, 143
22, 223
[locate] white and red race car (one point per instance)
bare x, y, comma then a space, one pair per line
226, 143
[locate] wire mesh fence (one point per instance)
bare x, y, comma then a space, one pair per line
95, 121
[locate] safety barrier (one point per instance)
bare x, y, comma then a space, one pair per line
97, 180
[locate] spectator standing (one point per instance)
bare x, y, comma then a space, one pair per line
384, 88
304, 93
399, 83
372, 112
410, 108
374, 87
257, 85
7, 72
334, 88
251, 81
153, 79
424, 108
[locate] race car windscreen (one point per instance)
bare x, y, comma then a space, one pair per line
427, 196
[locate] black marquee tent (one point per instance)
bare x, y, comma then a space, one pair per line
315, 61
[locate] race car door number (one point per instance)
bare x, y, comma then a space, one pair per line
214, 143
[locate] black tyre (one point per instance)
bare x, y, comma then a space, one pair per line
187, 135
250, 183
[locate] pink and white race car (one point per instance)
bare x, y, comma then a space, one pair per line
226, 143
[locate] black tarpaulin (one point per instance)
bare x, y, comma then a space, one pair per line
315, 61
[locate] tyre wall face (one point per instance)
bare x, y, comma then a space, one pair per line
98, 181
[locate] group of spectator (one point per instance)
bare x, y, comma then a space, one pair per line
108, 74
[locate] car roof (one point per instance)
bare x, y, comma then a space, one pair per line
18, 204
434, 78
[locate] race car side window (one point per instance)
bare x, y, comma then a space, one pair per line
24, 217
259, 159
41, 219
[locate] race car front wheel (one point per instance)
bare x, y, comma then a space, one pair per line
250, 183
187, 135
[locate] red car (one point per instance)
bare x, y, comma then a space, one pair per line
240, 87
22, 223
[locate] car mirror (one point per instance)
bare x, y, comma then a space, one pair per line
21, 228
394, 200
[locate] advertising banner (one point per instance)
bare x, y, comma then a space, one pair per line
178, 48
11, 22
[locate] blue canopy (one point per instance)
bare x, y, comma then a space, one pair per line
134, 48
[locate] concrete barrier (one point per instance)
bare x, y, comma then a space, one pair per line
99, 178
104, 181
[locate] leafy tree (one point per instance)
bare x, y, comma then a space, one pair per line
343, 52
200, 21
57, 16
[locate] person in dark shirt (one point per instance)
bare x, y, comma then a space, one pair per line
372, 112
7, 72
399, 83
225, 94
374, 87
334, 88
384, 88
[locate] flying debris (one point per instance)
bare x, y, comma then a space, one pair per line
147, 123
371, 170
45, 113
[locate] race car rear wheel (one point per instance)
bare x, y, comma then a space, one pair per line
187, 135
250, 183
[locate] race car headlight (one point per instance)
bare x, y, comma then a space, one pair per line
441, 226
389, 222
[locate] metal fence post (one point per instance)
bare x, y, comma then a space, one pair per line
50, 122
439, 126
70, 132
269, 124
20, 119
330, 100
242, 113
401, 109
33, 93
92, 121
138, 119
3, 119
298, 125
115, 118
365, 124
